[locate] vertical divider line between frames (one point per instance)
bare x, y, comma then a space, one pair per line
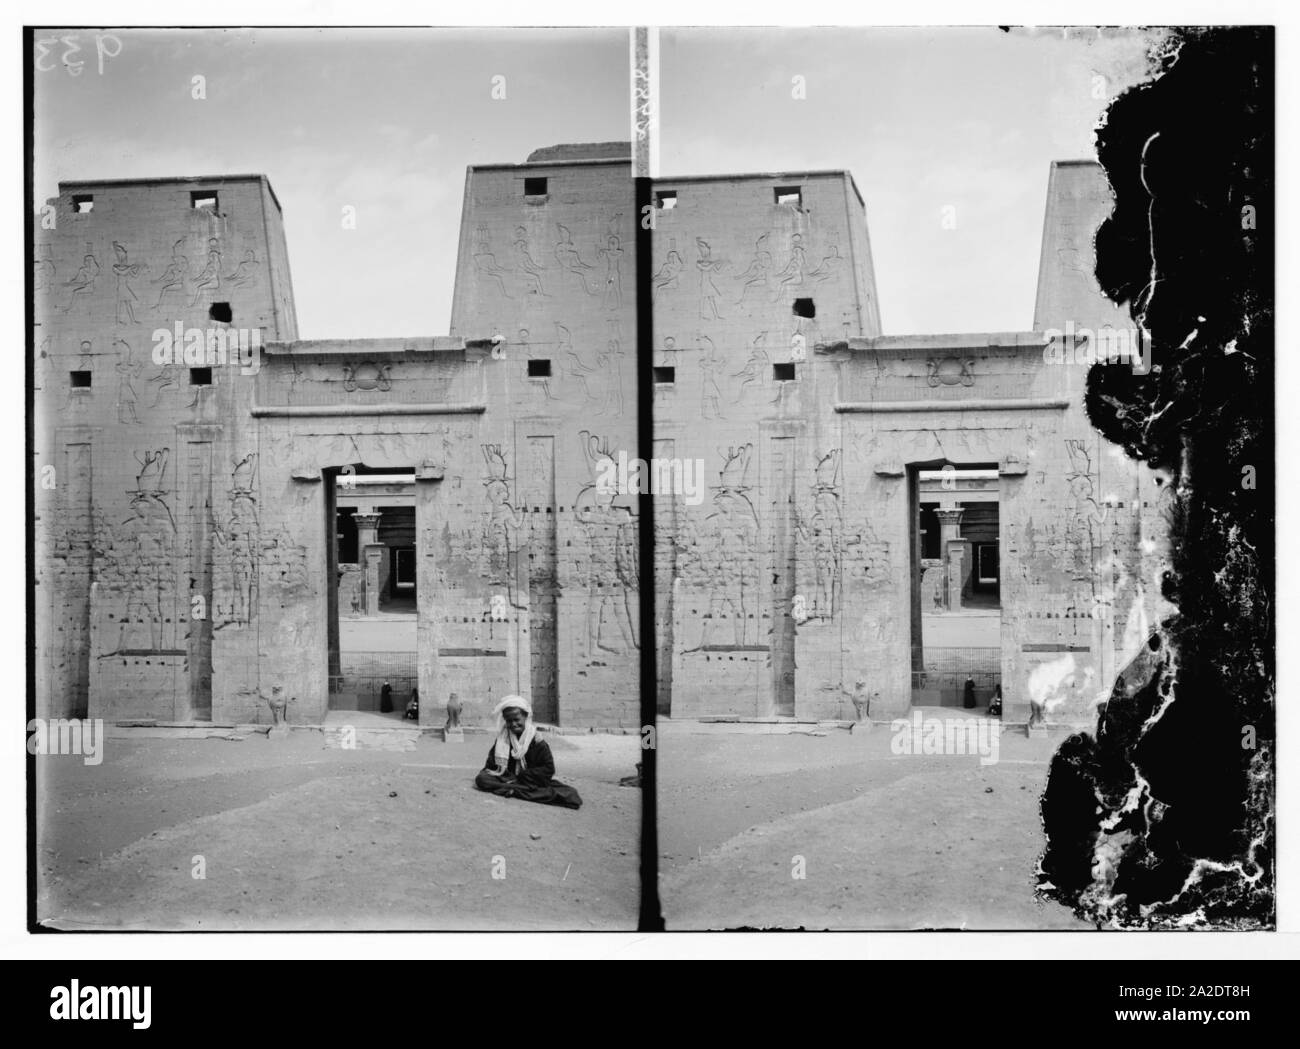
651, 918
643, 69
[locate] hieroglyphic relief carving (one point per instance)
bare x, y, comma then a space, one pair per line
822, 530
237, 539
526, 266
611, 364
244, 473
83, 281
758, 276
791, 274
126, 271
286, 560
710, 392
722, 555
610, 571
571, 261
831, 266
709, 267
485, 262
385, 448
574, 363
666, 278
165, 380
873, 572
137, 556
246, 272
612, 253
142, 545
153, 468
208, 281
175, 276
128, 370
501, 525
1083, 524
756, 369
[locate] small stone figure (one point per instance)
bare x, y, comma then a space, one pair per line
632, 781
861, 701
278, 703
1037, 724
451, 731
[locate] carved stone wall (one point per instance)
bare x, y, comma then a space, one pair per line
148, 525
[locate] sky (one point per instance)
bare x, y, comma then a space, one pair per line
383, 120
969, 118
387, 121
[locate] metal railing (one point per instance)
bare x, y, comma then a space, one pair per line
939, 675
361, 677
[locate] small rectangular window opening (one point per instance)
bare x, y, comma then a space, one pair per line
539, 369
200, 376
783, 372
666, 375
80, 380
534, 187
804, 308
220, 311
789, 195
666, 199
83, 203
203, 199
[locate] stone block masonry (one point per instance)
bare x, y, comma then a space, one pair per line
186, 556
801, 573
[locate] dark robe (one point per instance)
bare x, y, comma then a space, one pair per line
968, 697
536, 783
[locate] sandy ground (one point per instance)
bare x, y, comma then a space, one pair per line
887, 841
297, 836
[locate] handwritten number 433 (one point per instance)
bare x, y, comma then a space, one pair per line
106, 46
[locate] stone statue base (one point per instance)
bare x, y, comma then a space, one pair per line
453, 735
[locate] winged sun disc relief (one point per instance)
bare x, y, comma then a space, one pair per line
951, 371
367, 377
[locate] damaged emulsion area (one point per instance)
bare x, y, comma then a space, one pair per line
1164, 818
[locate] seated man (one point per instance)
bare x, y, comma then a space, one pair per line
520, 765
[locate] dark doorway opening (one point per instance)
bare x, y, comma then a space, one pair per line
956, 620
371, 586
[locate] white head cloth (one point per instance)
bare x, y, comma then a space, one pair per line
507, 745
